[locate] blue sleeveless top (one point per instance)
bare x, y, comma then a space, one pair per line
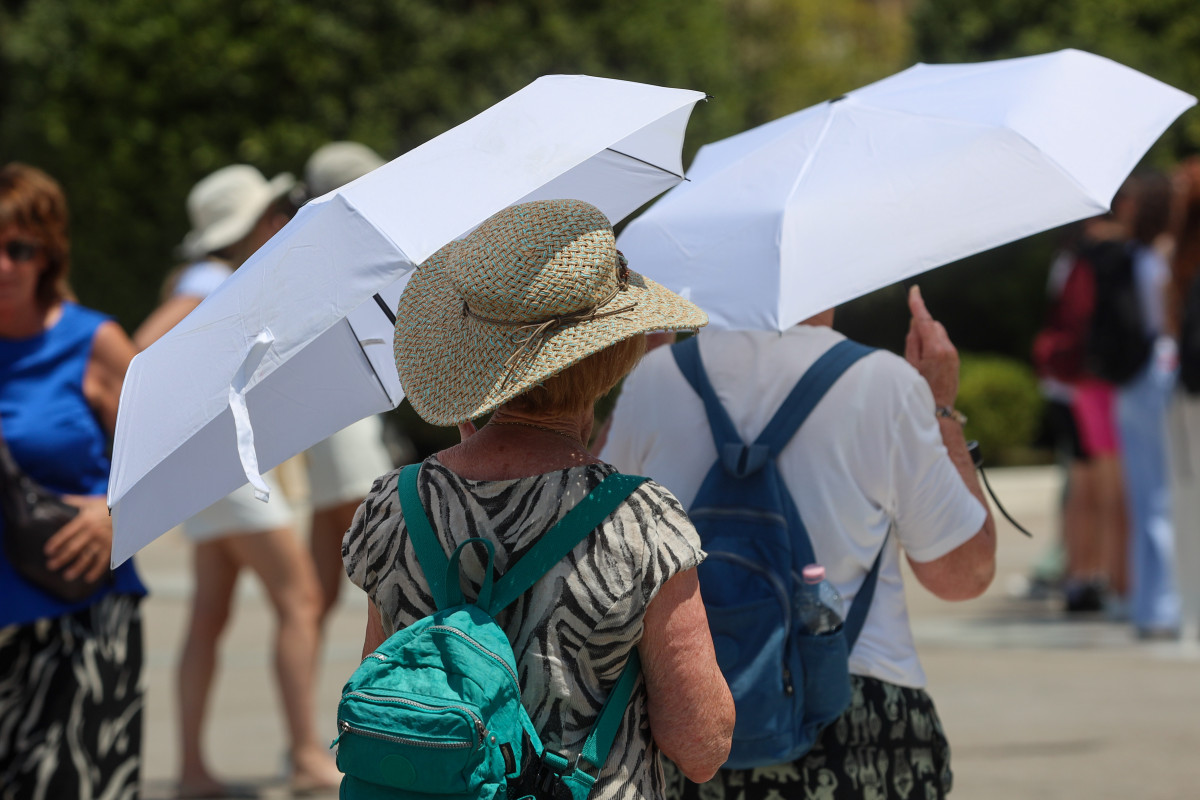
55, 436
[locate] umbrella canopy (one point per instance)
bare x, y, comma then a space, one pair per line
297, 344
917, 170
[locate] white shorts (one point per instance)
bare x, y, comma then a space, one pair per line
343, 467
240, 512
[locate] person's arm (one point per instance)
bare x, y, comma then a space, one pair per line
163, 318
83, 547
691, 709
375, 635
105, 373
966, 571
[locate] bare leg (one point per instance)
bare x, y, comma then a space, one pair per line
329, 526
215, 576
290, 580
1114, 524
1081, 526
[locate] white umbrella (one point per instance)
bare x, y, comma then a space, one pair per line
297, 344
920, 169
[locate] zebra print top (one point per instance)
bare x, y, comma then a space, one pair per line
573, 631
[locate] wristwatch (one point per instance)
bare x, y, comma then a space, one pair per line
950, 412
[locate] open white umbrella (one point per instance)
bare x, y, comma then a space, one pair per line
297, 344
917, 170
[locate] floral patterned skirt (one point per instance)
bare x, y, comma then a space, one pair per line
888, 745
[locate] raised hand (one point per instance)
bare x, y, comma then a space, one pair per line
928, 348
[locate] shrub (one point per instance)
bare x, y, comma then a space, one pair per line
1003, 406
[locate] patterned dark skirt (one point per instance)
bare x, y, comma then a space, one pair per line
71, 704
888, 745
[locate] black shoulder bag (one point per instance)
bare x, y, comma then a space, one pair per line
32, 514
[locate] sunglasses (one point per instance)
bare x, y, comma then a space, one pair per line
20, 251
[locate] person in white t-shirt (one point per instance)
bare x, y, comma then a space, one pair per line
883, 448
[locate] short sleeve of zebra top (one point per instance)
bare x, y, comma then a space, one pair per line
573, 631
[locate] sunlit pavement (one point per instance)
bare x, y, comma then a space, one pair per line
1036, 704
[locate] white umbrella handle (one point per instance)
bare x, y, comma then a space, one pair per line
241, 414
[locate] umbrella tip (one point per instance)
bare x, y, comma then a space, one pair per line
839, 98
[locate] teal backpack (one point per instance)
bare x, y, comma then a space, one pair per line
435, 712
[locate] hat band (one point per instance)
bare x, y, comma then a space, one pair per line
530, 336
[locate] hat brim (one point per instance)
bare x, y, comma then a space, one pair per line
233, 229
455, 368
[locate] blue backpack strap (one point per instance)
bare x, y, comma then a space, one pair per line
562, 538
687, 357
808, 391
857, 616
430, 554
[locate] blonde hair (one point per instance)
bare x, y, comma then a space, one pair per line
583, 383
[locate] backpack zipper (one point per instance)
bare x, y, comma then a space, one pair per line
404, 701
346, 727
497, 658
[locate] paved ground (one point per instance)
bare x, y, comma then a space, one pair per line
1036, 705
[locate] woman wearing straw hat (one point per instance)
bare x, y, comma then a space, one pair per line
234, 211
533, 317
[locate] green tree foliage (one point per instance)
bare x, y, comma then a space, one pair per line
1003, 406
130, 102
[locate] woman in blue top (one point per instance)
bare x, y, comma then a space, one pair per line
71, 697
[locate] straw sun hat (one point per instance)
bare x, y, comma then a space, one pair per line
531, 291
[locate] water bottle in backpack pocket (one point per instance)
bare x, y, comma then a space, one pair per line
787, 683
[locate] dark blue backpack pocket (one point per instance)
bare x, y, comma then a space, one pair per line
751, 643
826, 660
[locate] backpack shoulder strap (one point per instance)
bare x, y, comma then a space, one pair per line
857, 616
604, 732
430, 555
808, 391
562, 538
687, 356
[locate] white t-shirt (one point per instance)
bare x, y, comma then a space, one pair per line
869, 453
201, 278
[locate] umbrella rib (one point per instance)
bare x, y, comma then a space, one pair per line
647, 163
383, 306
812, 152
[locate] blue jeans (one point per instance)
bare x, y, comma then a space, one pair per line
1141, 421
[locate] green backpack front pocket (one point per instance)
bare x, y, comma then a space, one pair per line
441, 752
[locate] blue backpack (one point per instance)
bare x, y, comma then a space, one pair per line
786, 685
435, 712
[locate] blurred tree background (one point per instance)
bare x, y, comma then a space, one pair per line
130, 102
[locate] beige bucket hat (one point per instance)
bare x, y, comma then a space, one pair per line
224, 207
534, 289
336, 164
